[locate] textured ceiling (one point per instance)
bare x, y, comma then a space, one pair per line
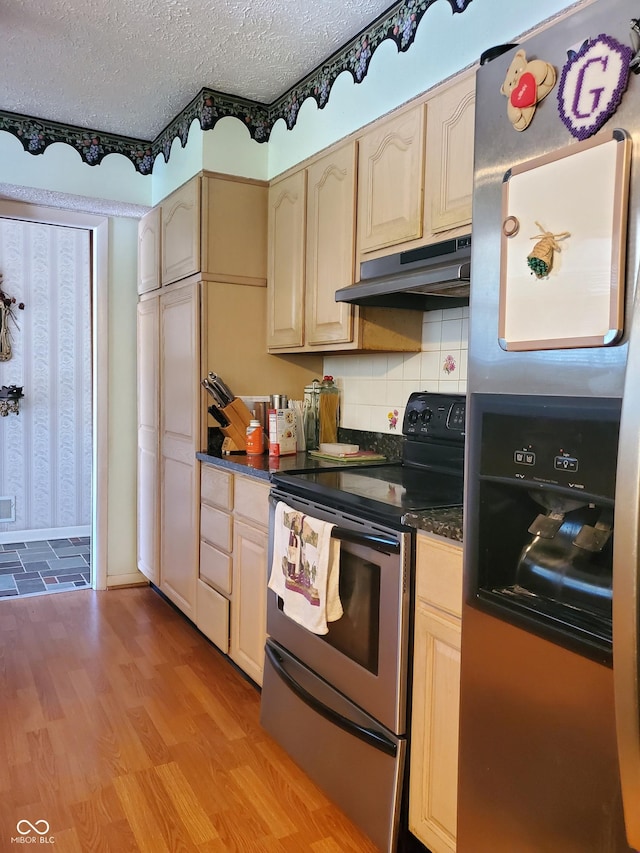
130, 67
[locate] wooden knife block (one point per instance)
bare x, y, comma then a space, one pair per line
239, 417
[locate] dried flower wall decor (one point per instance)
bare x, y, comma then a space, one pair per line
7, 312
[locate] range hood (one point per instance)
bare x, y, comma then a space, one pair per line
426, 278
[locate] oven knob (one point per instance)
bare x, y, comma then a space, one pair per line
413, 416
426, 416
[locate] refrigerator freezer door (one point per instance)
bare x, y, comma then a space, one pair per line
626, 567
538, 764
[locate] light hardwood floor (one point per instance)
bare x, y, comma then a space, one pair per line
125, 730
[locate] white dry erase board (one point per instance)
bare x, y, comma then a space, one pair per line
579, 197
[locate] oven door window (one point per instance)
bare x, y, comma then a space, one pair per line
356, 634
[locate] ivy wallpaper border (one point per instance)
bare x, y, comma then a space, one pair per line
399, 23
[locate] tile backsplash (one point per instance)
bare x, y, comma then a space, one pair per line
375, 387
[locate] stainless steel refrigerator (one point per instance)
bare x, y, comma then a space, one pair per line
549, 755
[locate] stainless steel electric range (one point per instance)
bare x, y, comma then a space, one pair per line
338, 702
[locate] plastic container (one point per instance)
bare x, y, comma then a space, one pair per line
328, 411
255, 438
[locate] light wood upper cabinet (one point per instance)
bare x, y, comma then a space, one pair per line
433, 778
415, 173
331, 192
180, 213
149, 251
312, 254
391, 180
234, 230
451, 117
215, 225
286, 261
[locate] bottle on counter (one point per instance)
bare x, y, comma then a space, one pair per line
255, 438
328, 411
310, 414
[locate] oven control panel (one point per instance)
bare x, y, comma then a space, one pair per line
435, 416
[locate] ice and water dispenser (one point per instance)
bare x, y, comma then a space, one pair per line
540, 501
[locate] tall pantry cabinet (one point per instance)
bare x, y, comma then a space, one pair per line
168, 324
202, 301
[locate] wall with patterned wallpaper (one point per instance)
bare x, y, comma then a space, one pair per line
375, 388
45, 450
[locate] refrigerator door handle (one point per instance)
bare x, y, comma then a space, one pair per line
373, 738
626, 566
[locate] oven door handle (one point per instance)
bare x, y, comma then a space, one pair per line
370, 737
375, 541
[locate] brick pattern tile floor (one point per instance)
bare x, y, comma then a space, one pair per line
36, 568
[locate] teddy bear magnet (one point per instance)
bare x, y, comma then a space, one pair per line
526, 84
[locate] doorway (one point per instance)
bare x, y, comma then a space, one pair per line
50, 453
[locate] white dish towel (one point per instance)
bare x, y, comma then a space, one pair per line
305, 569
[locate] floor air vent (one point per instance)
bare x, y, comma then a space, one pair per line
7, 509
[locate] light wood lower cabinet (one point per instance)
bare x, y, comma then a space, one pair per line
215, 580
232, 585
433, 778
249, 599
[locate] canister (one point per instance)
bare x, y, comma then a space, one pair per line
328, 411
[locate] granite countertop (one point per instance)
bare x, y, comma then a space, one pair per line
264, 465
445, 522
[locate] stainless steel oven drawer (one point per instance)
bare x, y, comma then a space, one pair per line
305, 715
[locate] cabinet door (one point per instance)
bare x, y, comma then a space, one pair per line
234, 230
148, 437
179, 419
212, 616
433, 781
391, 181
149, 251
180, 213
286, 262
331, 188
249, 599
449, 181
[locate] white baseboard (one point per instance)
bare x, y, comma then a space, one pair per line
8, 538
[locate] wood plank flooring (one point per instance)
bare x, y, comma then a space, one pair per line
125, 730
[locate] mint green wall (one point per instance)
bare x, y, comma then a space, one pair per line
60, 169
444, 45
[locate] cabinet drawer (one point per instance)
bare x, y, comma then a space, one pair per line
212, 616
216, 487
439, 573
215, 567
216, 527
252, 500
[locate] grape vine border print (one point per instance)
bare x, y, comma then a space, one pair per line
399, 23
